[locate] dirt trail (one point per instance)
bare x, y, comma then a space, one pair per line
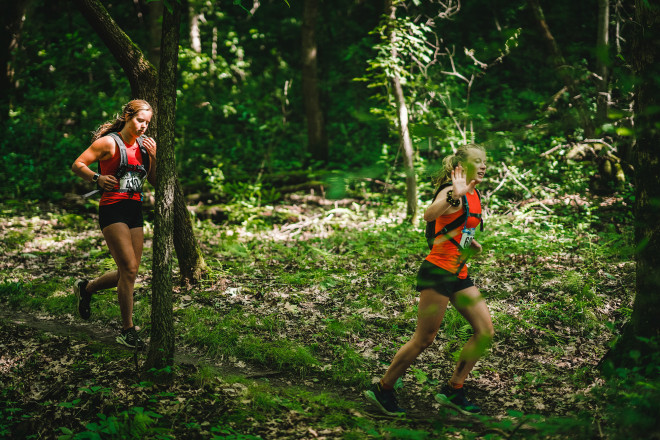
93, 332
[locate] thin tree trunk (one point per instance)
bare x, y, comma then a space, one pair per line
161, 347
153, 17
10, 30
602, 59
645, 60
141, 74
558, 62
214, 44
143, 78
191, 260
195, 38
316, 137
405, 142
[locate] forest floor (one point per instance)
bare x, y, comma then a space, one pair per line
295, 318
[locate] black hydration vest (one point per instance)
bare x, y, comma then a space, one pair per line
124, 167
431, 235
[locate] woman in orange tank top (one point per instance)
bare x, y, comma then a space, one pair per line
443, 278
120, 210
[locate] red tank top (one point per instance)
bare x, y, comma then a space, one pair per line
444, 253
134, 157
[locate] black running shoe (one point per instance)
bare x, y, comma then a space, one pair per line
84, 298
455, 398
130, 338
385, 400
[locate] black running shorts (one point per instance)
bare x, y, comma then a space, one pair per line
126, 211
442, 281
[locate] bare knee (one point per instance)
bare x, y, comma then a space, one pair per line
485, 336
423, 341
129, 271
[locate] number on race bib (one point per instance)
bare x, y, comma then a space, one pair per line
467, 237
131, 182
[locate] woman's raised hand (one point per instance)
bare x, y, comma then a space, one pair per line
460, 187
150, 145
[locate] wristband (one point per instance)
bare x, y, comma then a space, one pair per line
452, 201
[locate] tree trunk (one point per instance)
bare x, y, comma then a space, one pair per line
143, 79
195, 38
316, 137
645, 60
153, 16
558, 62
405, 142
602, 60
161, 347
141, 74
12, 24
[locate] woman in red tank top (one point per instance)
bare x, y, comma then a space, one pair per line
443, 278
120, 210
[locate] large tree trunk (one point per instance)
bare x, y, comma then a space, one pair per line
143, 79
645, 59
563, 70
405, 142
10, 30
316, 136
161, 347
602, 59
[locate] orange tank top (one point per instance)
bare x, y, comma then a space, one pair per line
444, 253
110, 166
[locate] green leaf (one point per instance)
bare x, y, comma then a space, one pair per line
624, 131
238, 3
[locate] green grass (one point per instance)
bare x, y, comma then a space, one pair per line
334, 308
222, 336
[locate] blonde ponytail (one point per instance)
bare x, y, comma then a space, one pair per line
450, 163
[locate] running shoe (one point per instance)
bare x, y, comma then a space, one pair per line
84, 298
130, 339
385, 400
456, 399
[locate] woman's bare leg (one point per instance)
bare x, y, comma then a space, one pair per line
126, 248
431, 311
110, 279
472, 306
106, 281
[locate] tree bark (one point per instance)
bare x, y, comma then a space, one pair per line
562, 69
141, 74
195, 38
10, 30
316, 135
644, 324
602, 60
143, 78
153, 15
645, 59
405, 142
161, 347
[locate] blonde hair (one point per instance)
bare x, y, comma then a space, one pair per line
450, 162
131, 109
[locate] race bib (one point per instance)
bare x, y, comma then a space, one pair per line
131, 182
467, 237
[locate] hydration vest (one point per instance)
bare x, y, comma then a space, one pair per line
124, 167
431, 235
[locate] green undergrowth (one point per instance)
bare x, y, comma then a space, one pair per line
329, 298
